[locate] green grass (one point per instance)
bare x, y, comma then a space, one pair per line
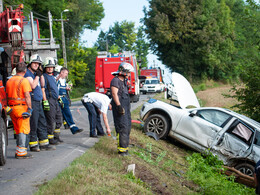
162, 167
205, 85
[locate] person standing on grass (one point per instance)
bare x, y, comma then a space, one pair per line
97, 103
121, 106
257, 177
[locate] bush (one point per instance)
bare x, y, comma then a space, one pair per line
206, 172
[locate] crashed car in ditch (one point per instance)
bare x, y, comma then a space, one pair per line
233, 137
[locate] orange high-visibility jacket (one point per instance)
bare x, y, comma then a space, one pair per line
15, 89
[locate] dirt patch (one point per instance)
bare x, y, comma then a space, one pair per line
149, 178
191, 185
214, 97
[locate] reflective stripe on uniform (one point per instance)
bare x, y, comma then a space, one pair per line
50, 136
120, 149
21, 151
72, 126
57, 131
32, 144
44, 142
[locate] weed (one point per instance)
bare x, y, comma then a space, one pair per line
136, 180
206, 173
147, 155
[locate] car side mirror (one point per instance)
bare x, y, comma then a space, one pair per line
192, 114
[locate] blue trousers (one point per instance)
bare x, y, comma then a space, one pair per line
38, 123
67, 116
94, 119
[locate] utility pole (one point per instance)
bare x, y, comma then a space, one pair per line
107, 41
63, 40
63, 44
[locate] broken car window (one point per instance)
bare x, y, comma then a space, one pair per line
242, 132
214, 116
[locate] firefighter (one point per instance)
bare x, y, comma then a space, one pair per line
97, 103
121, 106
38, 134
64, 100
53, 115
18, 92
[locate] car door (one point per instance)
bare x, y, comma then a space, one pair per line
256, 147
202, 126
236, 141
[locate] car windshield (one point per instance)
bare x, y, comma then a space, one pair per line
151, 82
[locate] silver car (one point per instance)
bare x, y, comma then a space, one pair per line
234, 138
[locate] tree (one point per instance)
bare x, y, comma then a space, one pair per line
142, 47
191, 37
248, 42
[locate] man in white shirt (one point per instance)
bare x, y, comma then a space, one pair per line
97, 103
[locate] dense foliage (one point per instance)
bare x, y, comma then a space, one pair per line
193, 37
206, 172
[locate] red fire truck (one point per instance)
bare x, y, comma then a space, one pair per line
106, 63
152, 73
19, 39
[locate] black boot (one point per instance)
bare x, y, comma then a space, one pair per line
47, 147
53, 142
57, 137
65, 124
35, 149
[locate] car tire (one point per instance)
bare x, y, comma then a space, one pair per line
246, 169
158, 124
3, 142
144, 92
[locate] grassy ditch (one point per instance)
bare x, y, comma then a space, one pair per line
162, 167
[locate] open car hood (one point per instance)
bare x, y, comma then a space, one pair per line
184, 91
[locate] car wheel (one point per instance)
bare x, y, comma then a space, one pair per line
158, 124
3, 143
246, 169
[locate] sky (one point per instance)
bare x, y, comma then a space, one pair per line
118, 11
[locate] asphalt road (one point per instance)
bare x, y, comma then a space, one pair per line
22, 176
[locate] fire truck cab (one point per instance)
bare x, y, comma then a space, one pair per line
106, 63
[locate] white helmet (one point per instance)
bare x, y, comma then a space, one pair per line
123, 69
58, 68
35, 58
13, 72
49, 62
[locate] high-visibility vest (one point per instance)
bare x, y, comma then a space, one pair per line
15, 91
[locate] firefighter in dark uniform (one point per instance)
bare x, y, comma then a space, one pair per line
121, 106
